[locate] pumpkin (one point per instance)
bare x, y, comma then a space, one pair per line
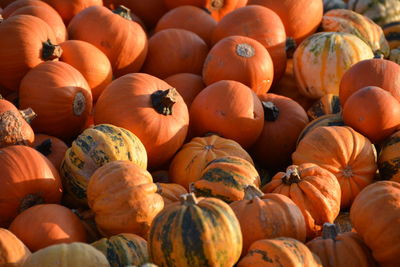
73, 254
30, 42
173, 51
320, 61
378, 72
51, 224
298, 24
327, 104
195, 232
27, 179
90, 61
123, 249
282, 251
382, 12
193, 157
266, 216
336, 249
14, 125
188, 85
122, 40
92, 149
51, 147
242, 59
392, 34
13, 251
226, 178
379, 120
344, 20
315, 191
151, 109
15, 5
189, 18
284, 119
60, 96
261, 24
124, 198
389, 158
334, 4
341, 150
379, 203
170, 192
233, 111
4, 3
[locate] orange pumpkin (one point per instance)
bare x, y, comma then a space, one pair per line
170, 192
13, 251
188, 85
14, 5
51, 147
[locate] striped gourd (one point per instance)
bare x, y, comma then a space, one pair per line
321, 60
195, 233
389, 158
344, 20
333, 4
392, 34
395, 55
92, 149
328, 104
123, 249
226, 178
380, 11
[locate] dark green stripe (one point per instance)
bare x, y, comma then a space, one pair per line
393, 36
206, 192
391, 141
218, 175
390, 24
388, 169
264, 255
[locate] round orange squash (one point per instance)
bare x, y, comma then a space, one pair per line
69, 8
170, 192
13, 251
14, 5
188, 85
53, 148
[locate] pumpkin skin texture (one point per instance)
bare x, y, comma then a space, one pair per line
29, 37
301, 184
123, 41
379, 203
188, 85
391, 31
13, 251
298, 24
389, 158
150, 108
242, 59
123, 249
280, 251
193, 157
92, 149
51, 147
335, 249
382, 12
233, 111
273, 148
321, 60
266, 216
12, 7
28, 178
52, 224
123, 198
91, 62
60, 96
189, 18
379, 120
261, 24
173, 51
344, 152
68, 255
378, 72
327, 104
226, 178
195, 232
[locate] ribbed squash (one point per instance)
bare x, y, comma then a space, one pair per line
226, 178
380, 11
92, 149
195, 232
12, 251
389, 158
68, 255
344, 20
123, 249
320, 61
170, 192
328, 104
392, 34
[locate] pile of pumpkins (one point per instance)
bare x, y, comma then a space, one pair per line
201, 133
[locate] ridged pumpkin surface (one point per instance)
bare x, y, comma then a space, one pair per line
381, 11
92, 149
389, 158
392, 34
170, 192
12, 251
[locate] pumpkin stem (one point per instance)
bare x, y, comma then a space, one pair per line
217, 4
28, 114
79, 104
378, 54
159, 189
163, 100
251, 192
290, 47
329, 231
291, 176
50, 51
123, 11
30, 201
271, 111
188, 199
211, 134
245, 50
45, 147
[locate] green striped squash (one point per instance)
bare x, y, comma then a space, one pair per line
226, 178
123, 249
380, 11
195, 233
389, 158
92, 149
333, 4
392, 34
328, 104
